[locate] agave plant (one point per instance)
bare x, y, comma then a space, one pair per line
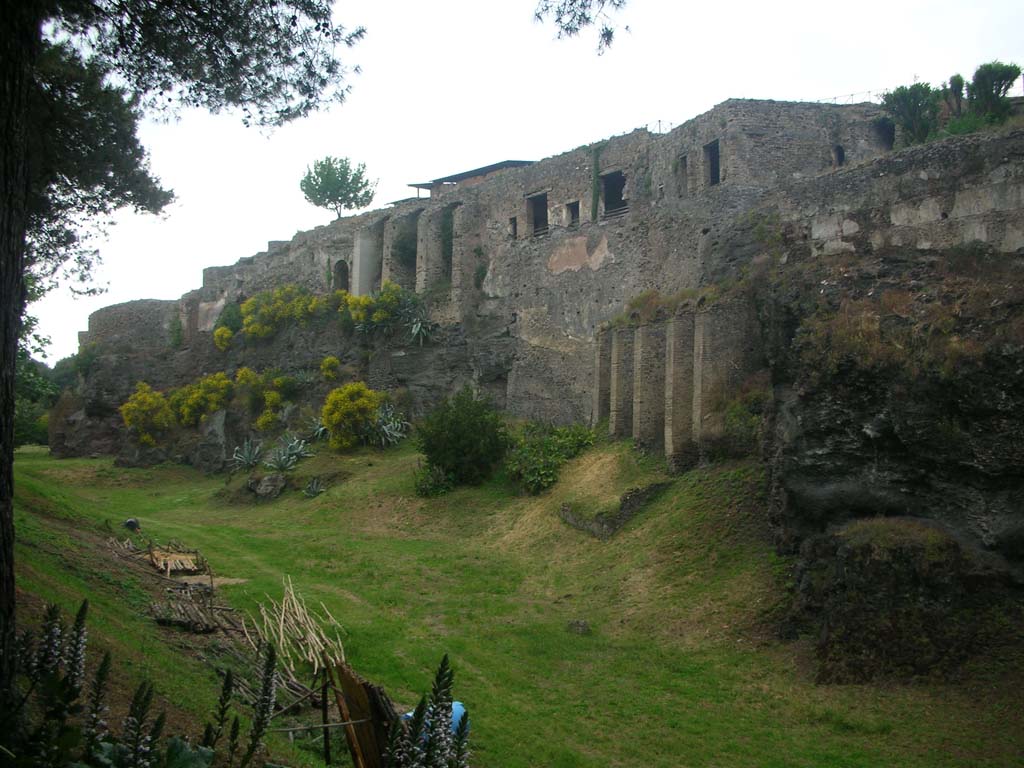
420, 330
247, 455
314, 488
280, 460
295, 446
317, 430
388, 427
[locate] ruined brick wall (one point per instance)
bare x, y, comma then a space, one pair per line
528, 264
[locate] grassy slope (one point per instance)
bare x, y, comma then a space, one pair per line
680, 669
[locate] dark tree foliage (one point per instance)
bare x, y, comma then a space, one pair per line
915, 109
87, 163
274, 60
338, 185
464, 437
986, 93
573, 16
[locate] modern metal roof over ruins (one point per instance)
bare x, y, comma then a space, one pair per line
483, 171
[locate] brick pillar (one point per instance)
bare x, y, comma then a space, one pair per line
620, 412
680, 449
649, 386
602, 377
698, 413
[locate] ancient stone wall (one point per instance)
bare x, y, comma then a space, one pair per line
531, 261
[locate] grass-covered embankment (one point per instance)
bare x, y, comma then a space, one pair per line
681, 666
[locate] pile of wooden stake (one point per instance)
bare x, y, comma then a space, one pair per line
299, 634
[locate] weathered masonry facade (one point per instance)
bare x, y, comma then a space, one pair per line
523, 264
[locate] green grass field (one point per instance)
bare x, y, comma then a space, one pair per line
682, 667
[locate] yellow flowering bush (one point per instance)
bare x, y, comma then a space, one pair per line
193, 402
266, 312
222, 338
147, 412
329, 367
348, 411
247, 377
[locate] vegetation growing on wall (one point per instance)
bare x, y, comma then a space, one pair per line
923, 112
222, 338
330, 366
147, 413
264, 314
175, 333
374, 317
194, 402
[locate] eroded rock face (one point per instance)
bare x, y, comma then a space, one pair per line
899, 598
268, 486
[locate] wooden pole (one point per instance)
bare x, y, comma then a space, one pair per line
350, 731
324, 706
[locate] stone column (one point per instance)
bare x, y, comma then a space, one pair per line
649, 386
602, 376
680, 449
620, 413
367, 260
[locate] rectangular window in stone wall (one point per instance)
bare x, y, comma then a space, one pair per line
537, 214
572, 214
712, 164
513, 227
613, 189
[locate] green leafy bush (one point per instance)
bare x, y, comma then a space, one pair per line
348, 412
230, 317
432, 481
986, 93
915, 109
464, 437
539, 452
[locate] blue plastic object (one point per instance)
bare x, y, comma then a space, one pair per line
458, 710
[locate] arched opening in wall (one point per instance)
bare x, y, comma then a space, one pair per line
613, 191
838, 156
885, 133
339, 276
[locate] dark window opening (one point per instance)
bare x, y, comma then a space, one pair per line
712, 164
340, 276
613, 189
572, 213
537, 214
682, 176
885, 133
838, 155
513, 228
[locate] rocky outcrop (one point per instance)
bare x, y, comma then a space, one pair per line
900, 598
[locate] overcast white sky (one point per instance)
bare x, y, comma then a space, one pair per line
455, 84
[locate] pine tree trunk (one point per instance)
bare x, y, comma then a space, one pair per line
19, 40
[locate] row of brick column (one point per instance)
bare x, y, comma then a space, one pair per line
659, 383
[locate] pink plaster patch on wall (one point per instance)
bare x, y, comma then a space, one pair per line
575, 253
